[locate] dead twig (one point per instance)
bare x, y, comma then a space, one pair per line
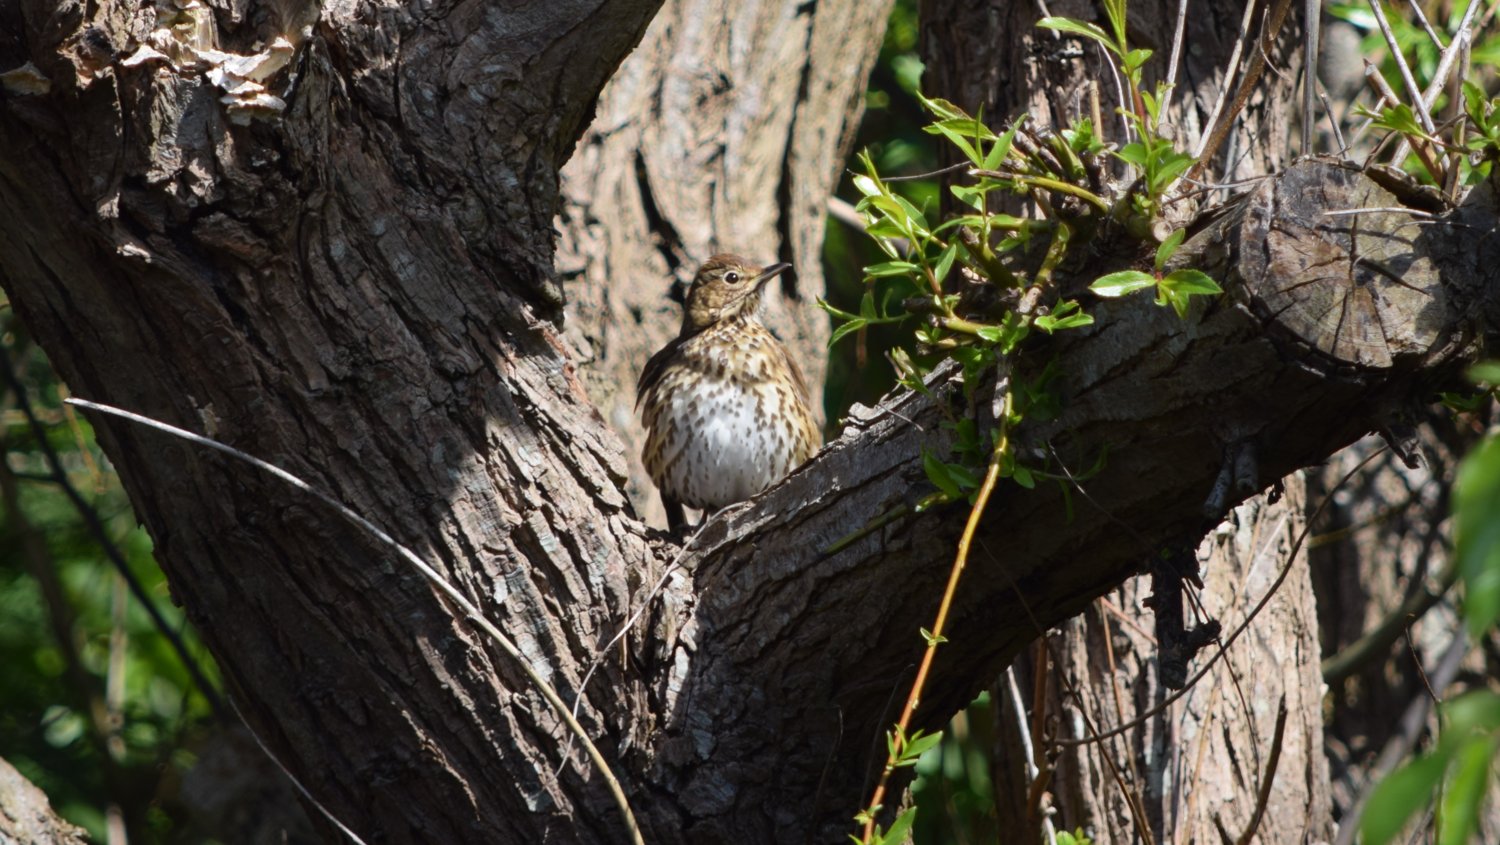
1269, 31
1410, 728
1270, 776
1242, 627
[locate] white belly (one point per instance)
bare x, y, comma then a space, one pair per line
724, 451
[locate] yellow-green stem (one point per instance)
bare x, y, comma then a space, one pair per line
1047, 184
981, 500
959, 324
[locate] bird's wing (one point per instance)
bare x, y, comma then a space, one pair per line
798, 378
652, 372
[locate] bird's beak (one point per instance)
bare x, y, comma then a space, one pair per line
768, 273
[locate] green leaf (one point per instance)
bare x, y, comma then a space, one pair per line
867, 186
1399, 118
937, 473
1472, 713
1081, 137
1153, 107
1175, 298
1474, 103
1051, 325
1191, 282
1134, 59
928, 638
908, 373
968, 436
970, 195
1011, 331
958, 140
1067, 315
1484, 372
964, 476
945, 262
842, 315
996, 156
845, 329
975, 360
970, 128
1169, 246
1466, 403
918, 745
1397, 797
943, 109
1466, 788
885, 229
1133, 154
1122, 283
901, 827
964, 220
890, 268
918, 220
1476, 509
1022, 476
1081, 28
1002, 336
1168, 168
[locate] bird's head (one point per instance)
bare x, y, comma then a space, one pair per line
727, 287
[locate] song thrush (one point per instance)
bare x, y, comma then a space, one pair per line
725, 406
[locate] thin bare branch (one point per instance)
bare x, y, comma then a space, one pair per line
1419, 103
1269, 778
1311, 21
1270, 593
1411, 727
1269, 32
1416, 9
1178, 30
1032, 769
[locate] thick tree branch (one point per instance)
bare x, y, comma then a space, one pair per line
1169, 401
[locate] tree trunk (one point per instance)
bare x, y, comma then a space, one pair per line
1383, 575
693, 153
1197, 769
361, 290
27, 817
1193, 771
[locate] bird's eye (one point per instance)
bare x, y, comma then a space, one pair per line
732, 277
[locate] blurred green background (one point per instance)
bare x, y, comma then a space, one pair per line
96, 708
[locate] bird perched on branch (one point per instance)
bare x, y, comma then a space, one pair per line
726, 408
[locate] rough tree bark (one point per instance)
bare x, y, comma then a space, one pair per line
362, 290
724, 131
1194, 769
1384, 576
26, 816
